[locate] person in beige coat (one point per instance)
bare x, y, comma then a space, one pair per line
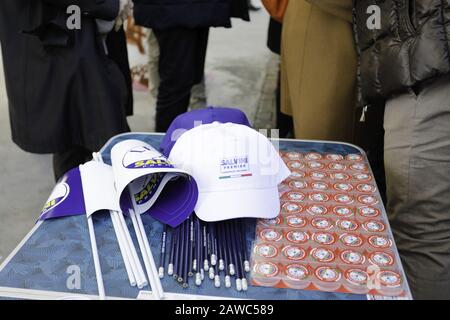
319, 69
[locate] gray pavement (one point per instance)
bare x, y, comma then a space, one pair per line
240, 72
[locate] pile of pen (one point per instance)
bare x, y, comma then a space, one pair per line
200, 250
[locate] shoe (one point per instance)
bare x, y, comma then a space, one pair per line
253, 7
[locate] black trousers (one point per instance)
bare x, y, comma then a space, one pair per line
69, 159
181, 66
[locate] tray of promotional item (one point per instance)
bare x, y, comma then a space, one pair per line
332, 233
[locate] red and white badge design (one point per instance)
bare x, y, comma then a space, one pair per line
298, 184
322, 223
324, 238
313, 156
366, 188
374, 226
334, 157
296, 221
295, 196
354, 157
359, 167
347, 225
318, 175
340, 176
293, 155
272, 222
297, 174
319, 197
270, 235
367, 199
328, 274
297, 236
368, 212
343, 198
337, 167
291, 207
320, 186
323, 255
317, 210
295, 165
363, 177
266, 269
389, 279
343, 211
315, 165
343, 187
297, 272
382, 259
351, 240
352, 257
266, 250
356, 276
294, 253
379, 242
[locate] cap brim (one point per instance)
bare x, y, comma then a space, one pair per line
224, 205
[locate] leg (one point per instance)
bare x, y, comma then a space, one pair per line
67, 160
417, 158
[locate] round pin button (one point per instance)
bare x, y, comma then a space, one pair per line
367, 200
295, 165
334, 157
356, 276
293, 155
354, 157
368, 212
382, 259
297, 272
343, 211
313, 156
320, 186
272, 222
347, 225
291, 207
340, 176
298, 184
317, 210
323, 238
270, 235
351, 240
362, 177
359, 167
297, 236
266, 269
319, 197
295, 196
380, 242
374, 226
318, 175
366, 188
328, 274
389, 279
352, 257
292, 252
343, 187
343, 198
322, 223
266, 250
297, 174
337, 167
323, 255
296, 221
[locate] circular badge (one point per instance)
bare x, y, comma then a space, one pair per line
340, 176
313, 156
343, 187
295, 253
266, 269
296, 221
296, 196
315, 165
343, 198
293, 155
272, 222
368, 212
297, 236
323, 238
367, 199
359, 167
337, 167
291, 207
320, 186
328, 274
366, 188
382, 259
374, 226
380, 242
322, 223
270, 235
317, 210
335, 157
351, 240
354, 157
362, 177
347, 225
322, 255
297, 272
352, 257
318, 175
389, 279
298, 184
343, 211
319, 197
266, 250
297, 174
356, 276
295, 165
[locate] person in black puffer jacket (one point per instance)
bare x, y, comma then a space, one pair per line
181, 28
404, 64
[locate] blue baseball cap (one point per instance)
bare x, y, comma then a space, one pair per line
195, 118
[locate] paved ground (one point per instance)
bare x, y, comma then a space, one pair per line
240, 72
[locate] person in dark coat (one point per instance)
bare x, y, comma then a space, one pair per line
181, 28
66, 96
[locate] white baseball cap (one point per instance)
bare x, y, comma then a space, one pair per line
237, 170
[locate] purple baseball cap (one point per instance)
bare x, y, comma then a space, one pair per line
189, 120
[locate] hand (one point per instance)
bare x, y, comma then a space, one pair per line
126, 10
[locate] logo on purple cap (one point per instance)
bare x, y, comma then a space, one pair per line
150, 186
59, 194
